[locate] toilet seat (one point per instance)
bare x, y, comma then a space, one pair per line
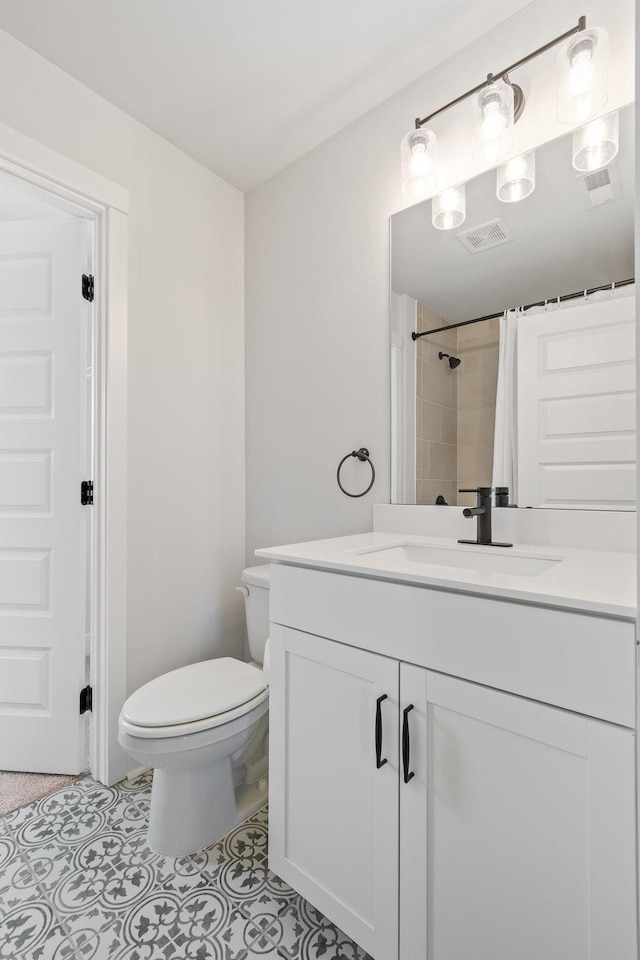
193, 698
196, 726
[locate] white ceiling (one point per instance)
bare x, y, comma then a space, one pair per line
248, 86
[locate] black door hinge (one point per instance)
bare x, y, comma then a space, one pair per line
86, 699
87, 286
86, 493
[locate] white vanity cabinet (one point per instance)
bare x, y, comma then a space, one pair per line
333, 830
516, 831
502, 825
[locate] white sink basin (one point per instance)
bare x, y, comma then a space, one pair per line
474, 559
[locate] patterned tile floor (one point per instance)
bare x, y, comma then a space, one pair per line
78, 882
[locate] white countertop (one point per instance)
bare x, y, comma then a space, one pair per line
594, 581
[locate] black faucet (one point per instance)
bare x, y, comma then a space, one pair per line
483, 513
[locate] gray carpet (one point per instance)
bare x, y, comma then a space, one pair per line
16, 789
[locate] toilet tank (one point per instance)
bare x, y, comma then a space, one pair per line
255, 581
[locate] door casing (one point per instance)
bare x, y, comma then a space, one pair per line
94, 197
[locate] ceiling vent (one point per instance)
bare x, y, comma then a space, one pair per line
486, 236
602, 186
594, 181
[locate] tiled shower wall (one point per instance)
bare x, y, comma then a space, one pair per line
436, 413
455, 409
478, 347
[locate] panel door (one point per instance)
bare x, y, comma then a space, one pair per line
334, 824
576, 407
42, 540
517, 830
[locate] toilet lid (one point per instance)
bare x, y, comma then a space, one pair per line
191, 693
258, 576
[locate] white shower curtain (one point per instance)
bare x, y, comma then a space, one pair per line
505, 441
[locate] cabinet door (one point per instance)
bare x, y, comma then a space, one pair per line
334, 811
517, 829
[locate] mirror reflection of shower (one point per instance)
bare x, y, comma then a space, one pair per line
550, 413
453, 361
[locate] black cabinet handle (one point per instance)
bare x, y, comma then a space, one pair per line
379, 761
406, 745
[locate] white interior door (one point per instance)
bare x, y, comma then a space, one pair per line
576, 407
42, 526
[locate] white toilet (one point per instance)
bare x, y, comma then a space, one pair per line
204, 730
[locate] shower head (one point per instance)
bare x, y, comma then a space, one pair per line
453, 361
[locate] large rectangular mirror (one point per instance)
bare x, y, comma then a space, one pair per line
538, 395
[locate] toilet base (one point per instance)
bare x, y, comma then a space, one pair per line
200, 789
251, 797
213, 806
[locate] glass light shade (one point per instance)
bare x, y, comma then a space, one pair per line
596, 144
418, 159
516, 178
582, 76
493, 122
448, 209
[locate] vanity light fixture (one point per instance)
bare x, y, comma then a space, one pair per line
596, 144
498, 104
418, 153
516, 178
448, 209
493, 120
582, 67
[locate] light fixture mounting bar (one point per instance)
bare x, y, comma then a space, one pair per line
582, 25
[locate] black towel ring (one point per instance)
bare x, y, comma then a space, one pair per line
362, 454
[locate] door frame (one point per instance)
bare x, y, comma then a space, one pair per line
107, 204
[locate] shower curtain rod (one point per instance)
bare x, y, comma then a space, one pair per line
528, 306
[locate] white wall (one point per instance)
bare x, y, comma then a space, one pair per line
317, 349
186, 404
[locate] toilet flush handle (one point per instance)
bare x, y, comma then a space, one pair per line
243, 591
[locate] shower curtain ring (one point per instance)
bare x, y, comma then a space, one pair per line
613, 289
586, 295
